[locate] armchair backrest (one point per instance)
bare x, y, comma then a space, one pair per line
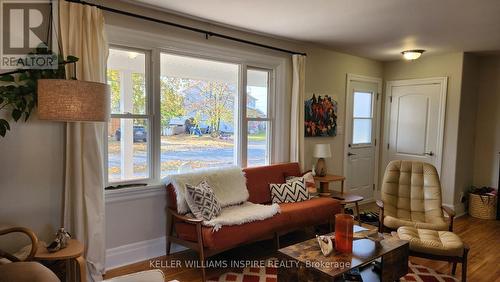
411, 190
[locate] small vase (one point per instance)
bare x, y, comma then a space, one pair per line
343, 232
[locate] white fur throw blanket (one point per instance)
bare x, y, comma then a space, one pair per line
241, 214
228, 184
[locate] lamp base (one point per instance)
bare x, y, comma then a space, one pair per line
320, 168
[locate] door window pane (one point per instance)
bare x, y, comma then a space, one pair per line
126, 74
198, 109
257, 93
127, 149
362, 131
257, 153
362, 105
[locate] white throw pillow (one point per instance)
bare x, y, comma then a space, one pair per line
202, 201
289, 192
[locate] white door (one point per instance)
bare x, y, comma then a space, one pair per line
362, 114
416, 120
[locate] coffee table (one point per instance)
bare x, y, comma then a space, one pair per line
305, 262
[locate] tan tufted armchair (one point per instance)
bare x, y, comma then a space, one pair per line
411, 196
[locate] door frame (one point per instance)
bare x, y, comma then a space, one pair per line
347, 125
443, 82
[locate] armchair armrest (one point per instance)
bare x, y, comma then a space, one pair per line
184, 218
380, 205
451, 213
26, 231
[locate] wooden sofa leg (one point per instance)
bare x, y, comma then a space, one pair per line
277, 240
201, 251
170, 232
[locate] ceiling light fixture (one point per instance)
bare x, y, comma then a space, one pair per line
411, 55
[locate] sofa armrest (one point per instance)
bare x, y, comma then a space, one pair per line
33, 238
451, 213
184, 218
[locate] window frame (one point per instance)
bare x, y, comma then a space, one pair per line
148, 115
273, 64
268, 119
373, 102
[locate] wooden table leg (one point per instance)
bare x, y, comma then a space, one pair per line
342, 186
357, 211
82, 268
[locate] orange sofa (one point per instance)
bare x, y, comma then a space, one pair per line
191, 233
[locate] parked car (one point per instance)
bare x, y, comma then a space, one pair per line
140, 134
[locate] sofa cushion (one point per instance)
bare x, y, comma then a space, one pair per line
231, 236
259, 178
307, 213
292, 216
289, 192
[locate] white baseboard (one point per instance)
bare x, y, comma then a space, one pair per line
138, 251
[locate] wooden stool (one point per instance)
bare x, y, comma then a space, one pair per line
73, 254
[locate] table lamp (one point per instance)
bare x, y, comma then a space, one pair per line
321, 151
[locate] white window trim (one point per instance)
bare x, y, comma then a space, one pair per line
156, 44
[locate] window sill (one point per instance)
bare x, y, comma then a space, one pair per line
131, 193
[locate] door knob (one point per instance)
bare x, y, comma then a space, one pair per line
350, 154
429, 153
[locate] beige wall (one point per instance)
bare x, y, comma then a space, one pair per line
487, 136
326, 74
31, 176
449, 65
467, 128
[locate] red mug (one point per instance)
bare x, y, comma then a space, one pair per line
343, 232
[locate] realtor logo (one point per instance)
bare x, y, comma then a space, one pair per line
26, 26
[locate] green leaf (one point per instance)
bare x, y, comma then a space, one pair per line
8, 78
1, 100
3, 130
5, 124
16, 114
72, 59
23, 76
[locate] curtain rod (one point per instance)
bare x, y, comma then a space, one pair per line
206, 32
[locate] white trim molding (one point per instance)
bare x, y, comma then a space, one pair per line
132, 193
137, 252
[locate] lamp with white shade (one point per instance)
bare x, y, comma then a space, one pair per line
321, 151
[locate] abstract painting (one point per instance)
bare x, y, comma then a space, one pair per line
320, 117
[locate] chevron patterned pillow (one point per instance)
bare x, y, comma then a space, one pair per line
202, 201
290, 192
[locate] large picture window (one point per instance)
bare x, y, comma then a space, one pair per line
203, 113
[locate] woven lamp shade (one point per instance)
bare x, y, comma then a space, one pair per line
73, 100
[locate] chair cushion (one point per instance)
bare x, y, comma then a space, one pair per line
411, 192
442, 243
435, 224
26, 271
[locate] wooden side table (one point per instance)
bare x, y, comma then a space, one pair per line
324, 183
73, 254
348, 198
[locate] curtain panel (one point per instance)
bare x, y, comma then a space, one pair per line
297, 110
82, 35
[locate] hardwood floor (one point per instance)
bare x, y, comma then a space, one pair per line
483, 237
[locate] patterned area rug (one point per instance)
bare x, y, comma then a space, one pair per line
416, 273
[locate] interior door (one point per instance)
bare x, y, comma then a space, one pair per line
361, 130
416, 122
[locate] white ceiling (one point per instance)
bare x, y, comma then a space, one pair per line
378, 29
